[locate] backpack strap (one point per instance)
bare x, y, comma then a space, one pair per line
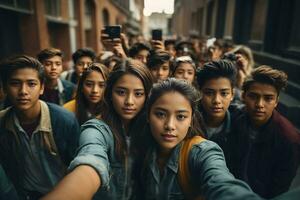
183, 168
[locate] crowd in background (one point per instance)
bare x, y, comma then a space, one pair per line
113, 125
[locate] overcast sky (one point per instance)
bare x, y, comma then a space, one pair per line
158, 6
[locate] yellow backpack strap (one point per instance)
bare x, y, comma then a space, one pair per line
183, 168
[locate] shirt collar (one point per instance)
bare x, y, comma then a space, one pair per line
60, 86
44, 125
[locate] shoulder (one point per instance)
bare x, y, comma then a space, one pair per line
97, 131
59, 112
70, 106
96, 124
67, 84
285, 127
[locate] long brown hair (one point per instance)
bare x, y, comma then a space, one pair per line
109, 115
81, 101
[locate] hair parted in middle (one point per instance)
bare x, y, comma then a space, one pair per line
81, 100
109, 115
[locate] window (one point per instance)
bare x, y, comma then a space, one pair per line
259, 20
105, 16
53, 8
18, 5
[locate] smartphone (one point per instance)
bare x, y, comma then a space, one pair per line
113, 31
156, 34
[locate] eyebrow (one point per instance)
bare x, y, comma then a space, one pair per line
165, 110
124, 88
222, 89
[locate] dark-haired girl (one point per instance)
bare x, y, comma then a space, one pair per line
105, 159
172, 117
88, 101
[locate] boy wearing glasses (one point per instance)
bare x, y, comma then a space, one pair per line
264, 143
56, 90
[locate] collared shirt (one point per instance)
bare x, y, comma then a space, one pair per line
208, 172
42, 171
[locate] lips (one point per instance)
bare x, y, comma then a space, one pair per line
94, 97
259, 113
128, 110
217, 109
168, 137
23, 101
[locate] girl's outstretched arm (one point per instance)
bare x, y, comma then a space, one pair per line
80, 184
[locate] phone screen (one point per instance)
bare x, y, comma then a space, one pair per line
113, 31
157, 34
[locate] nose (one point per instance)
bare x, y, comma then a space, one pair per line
170, 123
217, 98
144, 60
160, 72
95, 88
23, 89
129, 99
85, 65
259, 103
185, 75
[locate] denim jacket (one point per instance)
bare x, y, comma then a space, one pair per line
57, 140
96, 149
208, 171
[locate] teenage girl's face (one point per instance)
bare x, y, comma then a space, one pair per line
128, 97
185, 71
170, 118
93, 87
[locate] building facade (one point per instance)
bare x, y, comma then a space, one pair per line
270, 28
27, 26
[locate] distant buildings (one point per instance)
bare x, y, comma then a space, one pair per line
27, 26
270, 28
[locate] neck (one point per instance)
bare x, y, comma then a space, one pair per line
51, 84
29, 116
214, 122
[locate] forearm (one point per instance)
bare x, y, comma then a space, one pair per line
81, 184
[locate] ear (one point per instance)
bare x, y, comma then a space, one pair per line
233, 93
42, 88
277, 101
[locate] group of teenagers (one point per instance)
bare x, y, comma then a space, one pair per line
144, 124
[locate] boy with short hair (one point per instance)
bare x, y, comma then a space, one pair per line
82, 58
139, 51
216, 82
264, 143
37, 139
56, 90
159, 65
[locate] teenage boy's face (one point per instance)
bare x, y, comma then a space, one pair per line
216, 97
260, 100
128, 97
170, 118
53, 67
185, 71
24, 89
160, 72
142, 56
82, 63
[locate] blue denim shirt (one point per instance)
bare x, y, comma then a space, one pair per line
208, 171
96, 149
